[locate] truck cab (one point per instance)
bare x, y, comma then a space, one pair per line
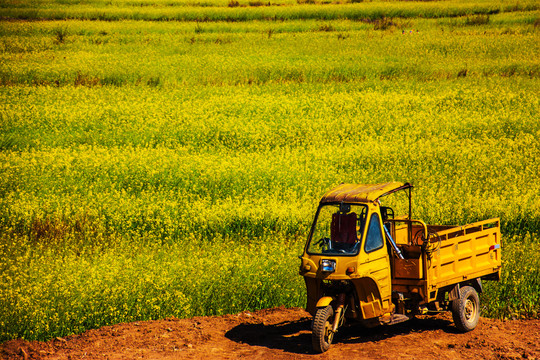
347, 237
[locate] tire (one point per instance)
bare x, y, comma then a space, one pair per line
322, 334
466, 309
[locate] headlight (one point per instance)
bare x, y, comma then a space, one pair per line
328, 265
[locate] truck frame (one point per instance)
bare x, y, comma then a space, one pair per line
362, 263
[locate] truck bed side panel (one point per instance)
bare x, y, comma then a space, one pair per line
464, 253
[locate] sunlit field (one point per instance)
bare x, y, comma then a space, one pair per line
165, 158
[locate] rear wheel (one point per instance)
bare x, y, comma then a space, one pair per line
466, 309
322, 334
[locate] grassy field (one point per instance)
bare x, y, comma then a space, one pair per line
240, 10
151, 169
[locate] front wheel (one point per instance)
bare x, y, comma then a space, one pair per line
466, 309
322, 334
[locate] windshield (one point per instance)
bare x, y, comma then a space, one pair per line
338, 229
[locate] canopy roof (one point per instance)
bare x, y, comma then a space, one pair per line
358, 193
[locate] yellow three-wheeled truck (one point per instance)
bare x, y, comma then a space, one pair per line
362, 263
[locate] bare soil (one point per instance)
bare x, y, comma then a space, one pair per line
284, 334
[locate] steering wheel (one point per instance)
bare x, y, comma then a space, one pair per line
418, 236
323, 241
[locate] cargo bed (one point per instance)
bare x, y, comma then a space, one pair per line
453, 254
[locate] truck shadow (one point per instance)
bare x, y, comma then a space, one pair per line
295, 336
357, 334
290, 336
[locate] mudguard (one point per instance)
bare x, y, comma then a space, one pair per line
324, 301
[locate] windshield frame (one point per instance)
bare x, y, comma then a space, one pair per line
357, 245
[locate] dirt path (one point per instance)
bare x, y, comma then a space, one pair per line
284, 334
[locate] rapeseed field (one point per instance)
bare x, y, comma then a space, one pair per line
153, 168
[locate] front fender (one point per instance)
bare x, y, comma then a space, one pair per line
324, 301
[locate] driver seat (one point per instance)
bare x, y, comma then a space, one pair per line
343, 228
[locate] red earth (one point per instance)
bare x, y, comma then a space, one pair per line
282, 333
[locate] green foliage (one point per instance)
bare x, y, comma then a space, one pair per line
60, 35
226, 10
382, 24
156, 169
477, 20
109, 53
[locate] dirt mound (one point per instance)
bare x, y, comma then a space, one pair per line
284, 334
